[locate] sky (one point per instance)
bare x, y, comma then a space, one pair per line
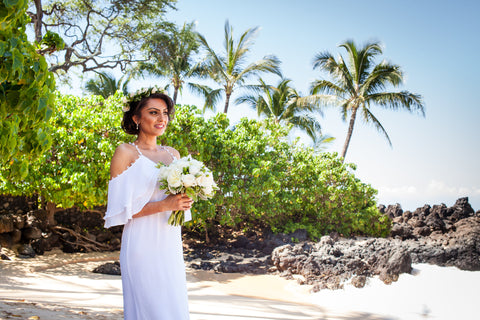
433, 159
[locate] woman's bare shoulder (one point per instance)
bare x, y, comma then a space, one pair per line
173, 151
124, 156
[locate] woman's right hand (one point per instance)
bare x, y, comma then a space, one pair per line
181, 201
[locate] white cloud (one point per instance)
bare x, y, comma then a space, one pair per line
437, 187
440, 187
399, 190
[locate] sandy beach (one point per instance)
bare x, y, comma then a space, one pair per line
62, 286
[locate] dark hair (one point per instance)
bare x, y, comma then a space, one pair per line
129, 126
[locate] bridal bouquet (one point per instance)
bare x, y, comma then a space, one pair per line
186, 175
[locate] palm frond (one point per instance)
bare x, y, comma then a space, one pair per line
210, 95
307, 123
320, 100
267, 64
370, 118
383, 75
398, 100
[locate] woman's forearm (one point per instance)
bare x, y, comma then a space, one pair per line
151, 208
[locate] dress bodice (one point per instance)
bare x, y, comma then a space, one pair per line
132, 189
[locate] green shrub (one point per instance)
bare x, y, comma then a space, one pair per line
75, 170
264, 180
26, 92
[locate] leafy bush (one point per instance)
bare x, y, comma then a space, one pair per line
264, 180
26, 92
75, 170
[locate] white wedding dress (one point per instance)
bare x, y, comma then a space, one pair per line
151, 255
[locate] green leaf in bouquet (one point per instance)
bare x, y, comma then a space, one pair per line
191, 193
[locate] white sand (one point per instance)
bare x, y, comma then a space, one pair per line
62, 286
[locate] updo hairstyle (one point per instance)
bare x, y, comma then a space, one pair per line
129, 126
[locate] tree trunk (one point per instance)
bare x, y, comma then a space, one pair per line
227, 101
38, 20
175, 94
51, 209
349, 133
207, 238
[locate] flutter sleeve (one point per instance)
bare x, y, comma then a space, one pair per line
128, 193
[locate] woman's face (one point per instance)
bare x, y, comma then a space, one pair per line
153, 117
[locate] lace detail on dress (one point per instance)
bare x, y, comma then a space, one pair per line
161, 148
166, 149
136, 147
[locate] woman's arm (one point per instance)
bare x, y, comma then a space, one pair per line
124, 157
170, 203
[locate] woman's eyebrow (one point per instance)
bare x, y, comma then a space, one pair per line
155, 108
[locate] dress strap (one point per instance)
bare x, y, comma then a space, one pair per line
166, 149
136, 147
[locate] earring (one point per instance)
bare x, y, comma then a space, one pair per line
137, 126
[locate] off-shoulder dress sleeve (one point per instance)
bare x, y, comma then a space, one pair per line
128, 193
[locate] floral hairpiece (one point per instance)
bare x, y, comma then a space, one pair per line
139, 95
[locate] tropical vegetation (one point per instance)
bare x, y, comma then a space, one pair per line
284, 105
26, 92
105, 84
171, 54
264, 180
87, 27
58, 147
358, 84
230, 69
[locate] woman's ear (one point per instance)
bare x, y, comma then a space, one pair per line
135, 119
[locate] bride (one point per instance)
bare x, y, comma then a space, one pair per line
151, 255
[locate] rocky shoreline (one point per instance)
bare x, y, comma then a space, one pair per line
440, 235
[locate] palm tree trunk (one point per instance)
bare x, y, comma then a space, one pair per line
227, 101
349, 133
175, 94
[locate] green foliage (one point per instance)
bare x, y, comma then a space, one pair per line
26, 92
171, 54
51, 42
75, 171
266, 181
88, 27
105, 84
284, 105
358, 84
229, 70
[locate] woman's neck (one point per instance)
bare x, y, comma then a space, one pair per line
147, 143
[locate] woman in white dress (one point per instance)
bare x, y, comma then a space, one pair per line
151, 255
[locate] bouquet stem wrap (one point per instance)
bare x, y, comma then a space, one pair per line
177, 218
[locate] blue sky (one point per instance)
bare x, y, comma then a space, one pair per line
433, 159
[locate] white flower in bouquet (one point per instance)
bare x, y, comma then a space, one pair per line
189, 180
174, 178
186, 175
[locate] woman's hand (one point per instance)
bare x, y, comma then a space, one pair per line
178, 202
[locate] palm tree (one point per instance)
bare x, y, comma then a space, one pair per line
284, 105
106, 84
358, 84
171, 53
229, 69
